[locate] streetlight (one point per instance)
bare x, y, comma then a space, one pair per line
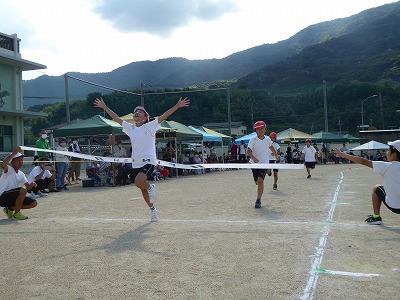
362, 110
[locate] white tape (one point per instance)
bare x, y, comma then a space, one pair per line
169, 164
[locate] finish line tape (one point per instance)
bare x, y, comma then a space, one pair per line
169, 164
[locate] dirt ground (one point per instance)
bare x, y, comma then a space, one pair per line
308, 241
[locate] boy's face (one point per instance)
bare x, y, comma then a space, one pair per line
17, 163
261, 130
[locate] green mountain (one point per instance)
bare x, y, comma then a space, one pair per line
331, 51
369, 53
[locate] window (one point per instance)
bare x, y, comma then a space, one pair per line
6, 138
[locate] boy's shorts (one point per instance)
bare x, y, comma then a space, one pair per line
380, 191
310, 164
259, 173
146, 169
7, 199
274, 162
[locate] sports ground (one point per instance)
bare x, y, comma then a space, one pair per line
308, 241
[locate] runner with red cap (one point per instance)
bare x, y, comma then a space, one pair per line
273, 137
258, 150
143, 141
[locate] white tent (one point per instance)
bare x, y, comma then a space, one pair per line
372, 145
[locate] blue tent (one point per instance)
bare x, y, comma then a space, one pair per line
207, 137
246, 138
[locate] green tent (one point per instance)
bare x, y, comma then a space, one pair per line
178, 131
324, 136
96, 125
351, 138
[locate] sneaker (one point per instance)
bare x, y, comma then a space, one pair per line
76, 182
373, 221
45, 191
19, 216
65, 188
258, 203
154, 217
309, 176
152, 193
42, 194
34, 196
9, 213
275, 186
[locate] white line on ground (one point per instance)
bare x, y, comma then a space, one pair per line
343, 273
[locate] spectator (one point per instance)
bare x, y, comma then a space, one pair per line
234, 151
62, 163
41, 177
277, 148
43, 143
13, 197
242, 152
75, 166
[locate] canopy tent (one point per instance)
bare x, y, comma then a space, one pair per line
208, 130
246, 138
96, 125
291, 134
207, 137
324, 136
351, 138
372, 145
178, 131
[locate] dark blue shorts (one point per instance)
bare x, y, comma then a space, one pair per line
274, 162
146, 169
310, 164
259, 173
380, 191
7, 199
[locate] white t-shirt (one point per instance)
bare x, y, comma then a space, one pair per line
61, 157
242, 149
35, 172
143, 140
260, 149
276, 147
390, 172
11, 180
309, 154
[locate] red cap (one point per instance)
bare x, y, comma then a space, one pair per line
273, 134
259, 124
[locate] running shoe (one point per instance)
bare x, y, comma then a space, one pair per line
43, 194
154, 217
9, 213
258, 203
152, 193
34, 196
19, 216
275, 186
373, 221
309, 176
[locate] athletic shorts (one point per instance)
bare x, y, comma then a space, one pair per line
274, 162
7, 199
310, 164
380, 191
259, 173
146, 169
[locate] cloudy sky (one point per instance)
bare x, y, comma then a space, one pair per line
91, 36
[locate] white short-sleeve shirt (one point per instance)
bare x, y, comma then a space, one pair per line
143, 141
309, 153
390, 171
11, 180
260, 149
35, 172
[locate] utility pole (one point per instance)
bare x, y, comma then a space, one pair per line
228, 99
340, 127
381, 110
67, 98
141, 93
325, 106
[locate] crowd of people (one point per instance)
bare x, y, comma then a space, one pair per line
55, 172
